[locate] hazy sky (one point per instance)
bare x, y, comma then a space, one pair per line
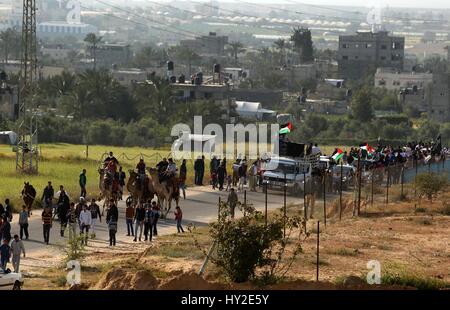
366, 3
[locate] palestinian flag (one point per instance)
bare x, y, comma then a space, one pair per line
368, 148
338, 155
285, 129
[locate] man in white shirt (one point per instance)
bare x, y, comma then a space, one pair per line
85, 223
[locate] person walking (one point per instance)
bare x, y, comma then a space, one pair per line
121, 177
83, 181
8, 210
5, 254
202, 170
111, 218
63, 208
72, 220
310, 195
129, 217
23, 222
139, 222
85, 223
47, 220
232, 201
156, 210
17, 248
6, 229
148, 221
253, 173
95, 214
182, 178
179, 217
48, 194
221, 174
197, 171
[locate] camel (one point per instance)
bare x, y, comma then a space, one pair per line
139, 195
164, 192
106, 193
28, 195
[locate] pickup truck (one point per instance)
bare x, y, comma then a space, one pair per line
279, 171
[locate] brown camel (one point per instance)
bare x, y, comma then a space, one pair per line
164, 191
139, 194
106, 192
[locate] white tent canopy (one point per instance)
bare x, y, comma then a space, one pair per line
250, 109
10, 136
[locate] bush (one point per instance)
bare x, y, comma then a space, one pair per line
410, 279
430, 184
244, 245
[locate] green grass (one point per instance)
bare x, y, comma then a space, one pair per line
414, 280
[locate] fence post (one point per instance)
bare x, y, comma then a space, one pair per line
387, 185
218, 210
371, 198
318, 242
325, 198
245, 197
265, 210
359, 182
87, 151
304, 197
285, 206
340, 195
402, 182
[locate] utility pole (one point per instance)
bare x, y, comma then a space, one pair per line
27, 151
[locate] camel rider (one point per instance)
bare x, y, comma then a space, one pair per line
171, 168
140, 167
162, 167
171, 172
109, 159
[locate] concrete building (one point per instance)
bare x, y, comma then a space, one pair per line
361, 53
439, 109
393, 79
55, 51
109, 55
327, 106
8, 101
267, 97
129, 77
210, 45
415, 99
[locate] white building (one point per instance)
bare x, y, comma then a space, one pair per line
62, 28
394, 80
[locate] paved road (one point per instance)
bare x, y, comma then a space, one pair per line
199, 208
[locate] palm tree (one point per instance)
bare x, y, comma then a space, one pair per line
92, 40
234, 48
185, 55
281, 46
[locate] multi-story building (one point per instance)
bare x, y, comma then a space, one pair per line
393, 79
439, 109
210, 45
112, 54
361, 53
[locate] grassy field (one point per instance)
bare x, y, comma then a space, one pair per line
62, 163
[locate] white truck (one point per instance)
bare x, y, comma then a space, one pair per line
279, 171
10, 280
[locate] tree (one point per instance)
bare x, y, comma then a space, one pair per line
185, 55
301, 37
235, 48
361, 105
92, 40
10, 41
281, 46
146, 56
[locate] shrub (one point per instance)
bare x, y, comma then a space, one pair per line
430, 184
414, 280
244, 245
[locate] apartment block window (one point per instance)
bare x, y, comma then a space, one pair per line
369, 45
345, 57
345, 45
396, 83
383, 46
356, 57
356, 45
396, 45
383, 57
